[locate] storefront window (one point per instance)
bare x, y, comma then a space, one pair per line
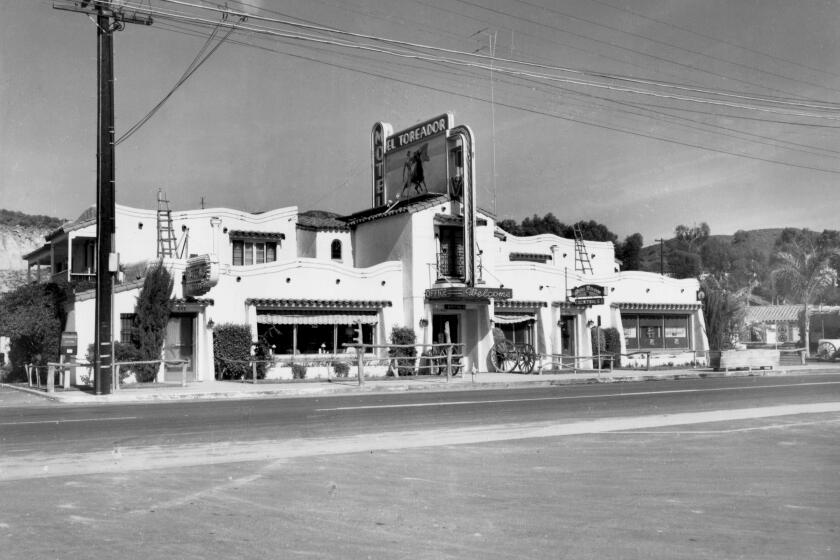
522, 332
676, 332
304, 338
656, 332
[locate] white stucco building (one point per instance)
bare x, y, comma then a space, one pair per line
304, 281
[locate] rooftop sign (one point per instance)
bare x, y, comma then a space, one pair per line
410, 162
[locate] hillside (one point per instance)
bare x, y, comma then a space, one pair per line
761, 239
20, 234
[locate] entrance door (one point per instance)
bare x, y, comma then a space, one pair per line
179, 346
567, 339
438, 328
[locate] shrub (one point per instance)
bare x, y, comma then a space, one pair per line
232, 351
341, 369
403, 335
612, 340
123, 352
298, 371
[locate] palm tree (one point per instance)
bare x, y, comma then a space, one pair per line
808, 273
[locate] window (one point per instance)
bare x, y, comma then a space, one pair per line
335, 250
253, 252
126, 327
522, 332
656, 332
249, 253
288, 336
451, 256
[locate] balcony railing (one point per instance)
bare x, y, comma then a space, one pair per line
449, 266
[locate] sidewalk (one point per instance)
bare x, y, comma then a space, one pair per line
481, 381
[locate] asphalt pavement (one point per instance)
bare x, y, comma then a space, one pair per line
216, 389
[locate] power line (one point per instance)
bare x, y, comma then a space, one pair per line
197, 62
614, 45
824, 105
665, 43
715, 39
274, 32
576, 120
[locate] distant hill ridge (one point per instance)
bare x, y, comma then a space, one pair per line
764, 240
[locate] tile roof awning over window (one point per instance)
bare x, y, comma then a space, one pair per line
568, 305
450, 220
632, 306
256, 235
773, 313
177, 304
315, 318
336, 304
519, 304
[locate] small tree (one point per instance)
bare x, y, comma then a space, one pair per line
723, 312
151, 317
808, 273
32, 316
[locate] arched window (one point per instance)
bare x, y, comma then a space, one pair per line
335, 250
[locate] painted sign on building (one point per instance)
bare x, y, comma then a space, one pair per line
468, 293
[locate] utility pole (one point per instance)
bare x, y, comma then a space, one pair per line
107, 21
661, 261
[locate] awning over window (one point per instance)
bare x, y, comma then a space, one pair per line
510, 319
627, 306
316, 319
326, 304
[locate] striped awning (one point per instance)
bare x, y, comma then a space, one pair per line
513, 318
316, 319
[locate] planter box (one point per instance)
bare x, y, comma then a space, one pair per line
743, 359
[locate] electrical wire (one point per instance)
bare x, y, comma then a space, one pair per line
822, 105
198, 61
580, 121
273, 32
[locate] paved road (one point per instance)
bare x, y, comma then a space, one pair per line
59, 429
732, 468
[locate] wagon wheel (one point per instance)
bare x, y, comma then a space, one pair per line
826, 351
527, 358
504, 356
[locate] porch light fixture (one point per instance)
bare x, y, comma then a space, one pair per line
139, 225
424, 323
210, 324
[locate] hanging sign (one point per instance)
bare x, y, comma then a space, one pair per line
201, 274
588, 295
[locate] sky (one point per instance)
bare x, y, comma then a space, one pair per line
640, 115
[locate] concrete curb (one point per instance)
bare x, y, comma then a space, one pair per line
327, 389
